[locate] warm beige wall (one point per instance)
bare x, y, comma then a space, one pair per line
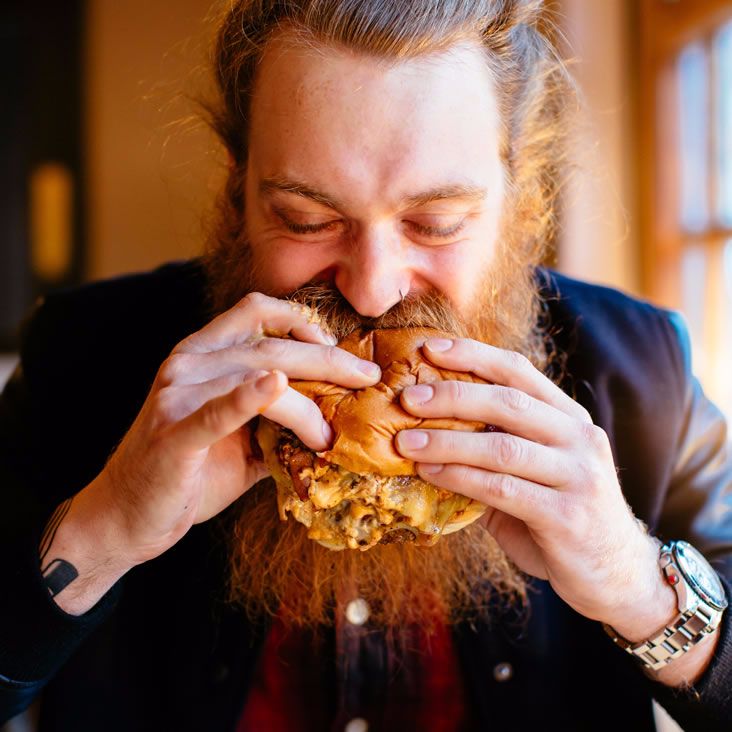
147, 182
599, 241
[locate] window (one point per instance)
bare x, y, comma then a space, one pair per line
687, 183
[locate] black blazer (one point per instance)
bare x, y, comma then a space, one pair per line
162, 651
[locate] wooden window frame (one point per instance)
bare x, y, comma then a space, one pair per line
666, 27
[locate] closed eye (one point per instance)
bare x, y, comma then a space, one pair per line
436, 231
296, 228
309, 228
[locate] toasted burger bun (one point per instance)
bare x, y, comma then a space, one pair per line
362, 491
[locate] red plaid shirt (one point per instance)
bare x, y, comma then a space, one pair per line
297, 686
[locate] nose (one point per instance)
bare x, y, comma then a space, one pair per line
373, 275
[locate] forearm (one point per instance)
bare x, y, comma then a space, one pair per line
80, 552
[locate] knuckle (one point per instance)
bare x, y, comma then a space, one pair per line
499, 485
449, 441
336, 357
173, 368
269, 349
515, 400
456, 390
566, 513
507, 450
591, 474
573, 516
595, 436
517, 362
583, 414
254, 300
163, 406
182, 346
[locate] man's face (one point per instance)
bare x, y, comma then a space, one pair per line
394, 170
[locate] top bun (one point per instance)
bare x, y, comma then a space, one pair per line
365, 421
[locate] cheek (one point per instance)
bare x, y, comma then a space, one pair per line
284, 266
458, 272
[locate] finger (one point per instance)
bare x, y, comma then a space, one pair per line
497, 452
175, 403
302, 416
256, 314
310, 361
517, 497
506, 407
499, 366
225, 414
291, 409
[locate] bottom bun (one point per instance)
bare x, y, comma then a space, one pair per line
346, 510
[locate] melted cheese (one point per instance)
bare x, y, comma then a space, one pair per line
348, 510
357, 511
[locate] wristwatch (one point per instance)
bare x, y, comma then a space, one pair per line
701, 603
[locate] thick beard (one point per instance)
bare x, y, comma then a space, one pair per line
466, 576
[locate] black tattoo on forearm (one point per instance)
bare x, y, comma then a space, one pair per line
58, 575
49, 533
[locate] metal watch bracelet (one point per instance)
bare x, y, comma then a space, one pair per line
673, 640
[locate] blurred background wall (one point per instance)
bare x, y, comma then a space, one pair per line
149, 162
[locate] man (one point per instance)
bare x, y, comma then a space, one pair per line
395, 160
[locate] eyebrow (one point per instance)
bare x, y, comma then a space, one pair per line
438, 193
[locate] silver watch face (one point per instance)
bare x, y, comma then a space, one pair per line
700, 575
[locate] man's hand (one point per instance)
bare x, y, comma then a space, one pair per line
187, 455
554, 501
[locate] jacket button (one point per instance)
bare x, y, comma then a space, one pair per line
357, 613
358, 724
503, 671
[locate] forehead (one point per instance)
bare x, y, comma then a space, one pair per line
376, 129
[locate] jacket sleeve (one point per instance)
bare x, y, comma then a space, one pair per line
698, 508
36, 636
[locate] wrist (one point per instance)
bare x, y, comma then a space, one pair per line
651, 602
675, 653
89, 540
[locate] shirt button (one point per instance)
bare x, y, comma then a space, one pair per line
503, 671
357, 725
357, 613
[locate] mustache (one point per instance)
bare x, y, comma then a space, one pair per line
428, 309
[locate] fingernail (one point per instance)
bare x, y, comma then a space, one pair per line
327, 433
430, 468
413, 439
439, 345
370, 369
419, 394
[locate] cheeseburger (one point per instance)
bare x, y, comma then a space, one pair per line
361, 491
